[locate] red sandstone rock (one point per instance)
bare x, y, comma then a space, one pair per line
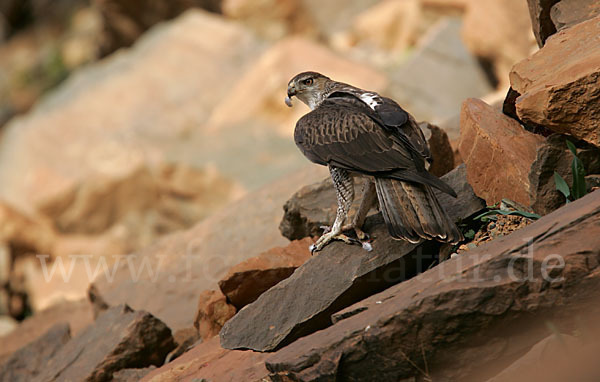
213, 312
498, 153
246, 281
558, 85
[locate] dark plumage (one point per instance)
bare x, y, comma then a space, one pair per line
363, 133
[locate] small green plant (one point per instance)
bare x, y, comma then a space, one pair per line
579, 188
491, 214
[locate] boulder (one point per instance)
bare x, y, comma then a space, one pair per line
557, 85
271, 19
567, 13
165, 278
209, 362
391, 26
541, 22
78, 314
263, 100
212, 313
439, 75
498, 153
498, 33
245, 282
469, 317
337, 277
98, 145
124, 21
442, 154
29, 361
120, 338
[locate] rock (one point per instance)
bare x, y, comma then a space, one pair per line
185, 339
73, 162
29, 361
555, 156
120, 338
263, 100
125, 20
498, 153
557, 85
7, 325
24, 234
131, 375
340, 275
209, 362
165, 278
442, 154
245, 282
439, 75
549, 351
539, 12
78, 314
212, 313
567, 13
271, 18
310, 208
468, 317
335, 16
389, 25
498, 32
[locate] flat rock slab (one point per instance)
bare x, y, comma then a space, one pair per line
28, 362
541, 22
119, 339
467, 318
337, 277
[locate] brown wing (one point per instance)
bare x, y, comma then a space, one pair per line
346, 133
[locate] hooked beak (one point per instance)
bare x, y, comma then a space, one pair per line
291, 91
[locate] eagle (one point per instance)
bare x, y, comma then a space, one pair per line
355, 132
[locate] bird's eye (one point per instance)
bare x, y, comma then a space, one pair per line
308, 81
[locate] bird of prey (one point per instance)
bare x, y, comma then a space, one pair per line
357, 132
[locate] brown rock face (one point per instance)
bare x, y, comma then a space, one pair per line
166, 277
212, 313
337, 277
498, 153
543, 27
245, 282
29, 361
119, 339
558, 85
442, 154
467, 318
209, 362
567, 13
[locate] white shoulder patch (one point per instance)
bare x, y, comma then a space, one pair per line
370, 99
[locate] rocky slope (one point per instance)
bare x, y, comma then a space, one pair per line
155, 215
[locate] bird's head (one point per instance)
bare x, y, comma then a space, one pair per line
309, 87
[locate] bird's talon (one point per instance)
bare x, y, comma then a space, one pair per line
325, 228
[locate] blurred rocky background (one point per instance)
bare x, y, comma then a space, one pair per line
150, 183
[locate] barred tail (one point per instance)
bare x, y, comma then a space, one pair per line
412, 212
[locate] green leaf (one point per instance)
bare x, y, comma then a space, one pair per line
470, 234
579, 188
489, 215
562, 186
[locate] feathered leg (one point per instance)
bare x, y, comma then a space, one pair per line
344, 190
368, 199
